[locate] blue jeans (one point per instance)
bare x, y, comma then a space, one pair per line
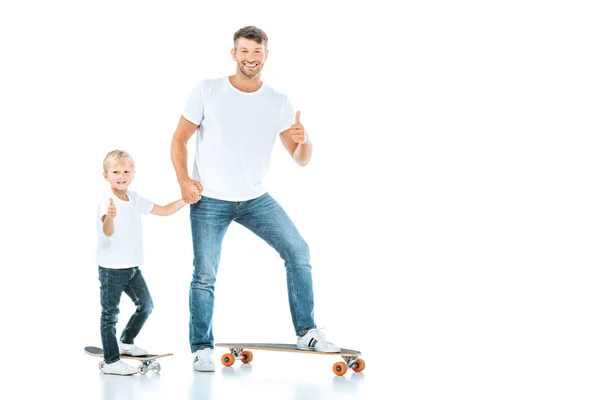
113, 282
210, 219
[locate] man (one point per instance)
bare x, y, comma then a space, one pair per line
238, 119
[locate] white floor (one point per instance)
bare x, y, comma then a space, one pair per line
413, 369
270, 375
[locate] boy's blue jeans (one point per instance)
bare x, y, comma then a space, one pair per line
113, 282
210, 219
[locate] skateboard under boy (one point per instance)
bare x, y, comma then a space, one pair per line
147, 361
237, 352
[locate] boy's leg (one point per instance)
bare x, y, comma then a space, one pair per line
138, 292
265, 217
112, 284
209, 219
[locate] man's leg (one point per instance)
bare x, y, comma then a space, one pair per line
265, 217
210, 219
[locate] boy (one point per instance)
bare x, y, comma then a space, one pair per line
119, 257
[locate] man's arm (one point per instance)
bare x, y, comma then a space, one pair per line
190, 189
169, 209
296, 142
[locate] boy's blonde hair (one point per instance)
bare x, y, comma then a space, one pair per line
117, 157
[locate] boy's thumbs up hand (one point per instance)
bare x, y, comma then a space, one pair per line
112, 210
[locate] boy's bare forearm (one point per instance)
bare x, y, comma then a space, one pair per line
175, 206
108, 226
169, 209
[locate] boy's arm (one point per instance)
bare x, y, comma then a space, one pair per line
168, 209
108, 227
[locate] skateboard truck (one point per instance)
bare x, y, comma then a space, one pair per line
350, 361
236, 353
339, 368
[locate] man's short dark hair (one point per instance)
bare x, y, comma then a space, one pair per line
250, 33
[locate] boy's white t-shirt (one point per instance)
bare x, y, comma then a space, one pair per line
235, 136
123, 249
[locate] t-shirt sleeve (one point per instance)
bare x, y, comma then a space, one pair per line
194, 108
144, 205
287, 116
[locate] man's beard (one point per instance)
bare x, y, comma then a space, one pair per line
250, 73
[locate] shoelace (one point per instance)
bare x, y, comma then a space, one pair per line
204, 351
321, 336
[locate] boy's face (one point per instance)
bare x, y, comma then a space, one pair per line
119, 175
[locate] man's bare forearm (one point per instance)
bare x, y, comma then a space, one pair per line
303, 153
179, 158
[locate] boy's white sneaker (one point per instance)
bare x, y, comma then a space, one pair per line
203, 361
119, 368
315, 340
131, 349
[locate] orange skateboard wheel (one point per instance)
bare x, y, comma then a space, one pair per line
359, 365
246, 356
340, 368
227, 359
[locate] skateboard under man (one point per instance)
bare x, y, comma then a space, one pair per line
147, 361
237, 352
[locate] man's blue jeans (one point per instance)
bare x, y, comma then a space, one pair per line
210, 219
113, 282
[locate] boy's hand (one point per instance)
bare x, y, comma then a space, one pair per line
112, 210
191, 190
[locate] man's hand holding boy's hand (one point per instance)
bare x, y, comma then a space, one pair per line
191, 190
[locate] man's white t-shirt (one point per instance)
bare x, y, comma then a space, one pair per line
123, 249
235, 136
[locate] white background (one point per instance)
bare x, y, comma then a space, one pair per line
451, 205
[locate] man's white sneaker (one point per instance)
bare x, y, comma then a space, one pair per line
119, 368
131, 349
315, 340
203, 361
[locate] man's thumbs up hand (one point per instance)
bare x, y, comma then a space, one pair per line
297, 131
